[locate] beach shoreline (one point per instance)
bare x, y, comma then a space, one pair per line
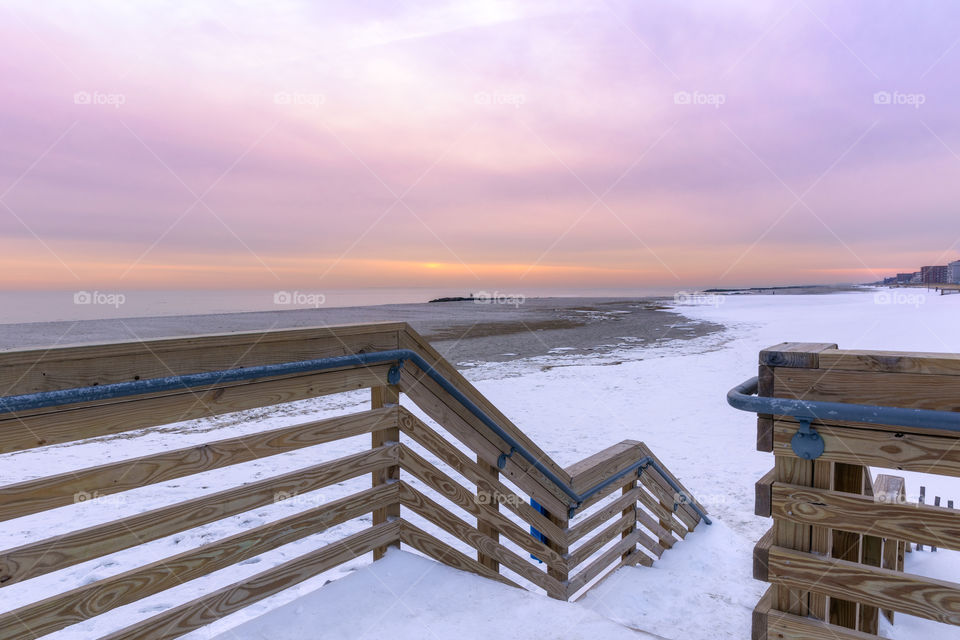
465, 332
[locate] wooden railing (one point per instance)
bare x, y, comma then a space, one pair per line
835, 554
436, 486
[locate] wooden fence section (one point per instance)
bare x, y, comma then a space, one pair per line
835, 554
433, 486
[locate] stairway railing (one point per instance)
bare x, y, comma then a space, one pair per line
69, 394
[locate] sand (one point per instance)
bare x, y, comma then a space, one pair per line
465, 332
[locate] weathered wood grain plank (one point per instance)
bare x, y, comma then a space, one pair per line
64, 367
926, 524
412, 462
433, 512
222, 602
50, 492
609, 558
87, 601
791, 535
878, 448
795, 354
442, 552
38, 558
380, 397
498, 492
761, 498
891, 361
413, 340
68, 425
910, 390
428, 396
785, 626
911, 594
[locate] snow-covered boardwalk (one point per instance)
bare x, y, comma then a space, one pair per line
191, 510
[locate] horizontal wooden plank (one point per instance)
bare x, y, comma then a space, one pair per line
908, 593
587, 524
762, 494
758, 626
440, 407
468, 533
925, 524
761, 556
909, 390
667, 496
47, 369
593, 469
441, 552
412, 340
891, 361
69, 425
795, 354
691, 498
786, 626
41, 494
37, 558
594, 544
610, 558
413, 463
878, 448
222, 602
415, 428
87, 601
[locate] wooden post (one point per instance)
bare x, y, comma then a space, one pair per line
821, 538
381, 397
491, 500
560, 571
846, 545
792, 470
630, 511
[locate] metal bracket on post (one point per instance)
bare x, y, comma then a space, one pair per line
502, 458
393, 375
806, 442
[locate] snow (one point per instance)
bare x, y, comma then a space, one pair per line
407, 597
671, 396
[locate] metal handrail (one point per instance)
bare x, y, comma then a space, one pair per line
45, 399
743, 397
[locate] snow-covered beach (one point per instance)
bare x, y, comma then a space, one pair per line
669, 393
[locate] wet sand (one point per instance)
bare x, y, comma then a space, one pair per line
462, 331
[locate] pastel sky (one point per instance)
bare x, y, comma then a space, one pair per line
476, 144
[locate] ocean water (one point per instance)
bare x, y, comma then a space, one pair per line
90, 304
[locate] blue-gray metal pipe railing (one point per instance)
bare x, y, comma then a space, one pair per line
43, 399
743, 397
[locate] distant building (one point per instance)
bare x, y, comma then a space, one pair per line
934, 274
890, 280
954, 274
917, 278
904, 278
